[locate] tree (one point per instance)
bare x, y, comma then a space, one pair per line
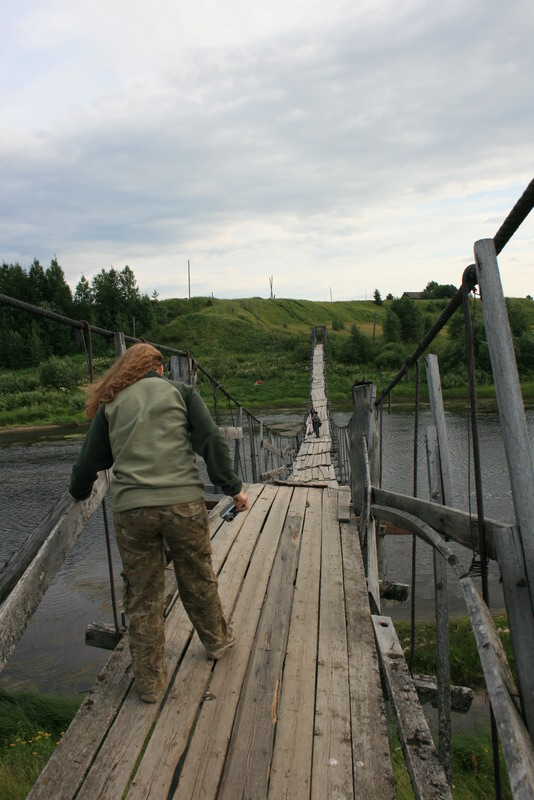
57, 291
37, 283
410, 319
438, 291
377, 298
516, 317
358, 348
83, 300
107, 298
391, 327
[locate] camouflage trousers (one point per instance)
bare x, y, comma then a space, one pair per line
140, 534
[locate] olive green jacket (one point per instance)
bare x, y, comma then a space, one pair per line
149, 435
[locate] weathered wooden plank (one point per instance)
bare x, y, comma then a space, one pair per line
15, 566
344, 504
426, 773
290, 774
449, 522
104, 635
247, 766
272, 449
204, 760
519, 610
332, 752
116, 760
272, 472
516, 744
230, 434
371, 758
30, 589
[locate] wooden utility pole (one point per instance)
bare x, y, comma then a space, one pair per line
189, 278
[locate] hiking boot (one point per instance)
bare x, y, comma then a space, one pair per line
220, 651
153, 696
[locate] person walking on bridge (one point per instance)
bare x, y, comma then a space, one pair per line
147, 430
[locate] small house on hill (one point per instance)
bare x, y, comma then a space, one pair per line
413, 295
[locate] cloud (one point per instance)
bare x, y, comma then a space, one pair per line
334, 147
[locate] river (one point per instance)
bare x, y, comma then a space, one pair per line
52, 657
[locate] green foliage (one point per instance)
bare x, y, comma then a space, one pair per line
410, 318
516, 317
466, 669
31, 726
358, 348
392, 327
391, 356
61, 373
472, 768
439, 290
24, 339
377, 298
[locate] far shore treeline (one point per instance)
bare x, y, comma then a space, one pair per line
257, 348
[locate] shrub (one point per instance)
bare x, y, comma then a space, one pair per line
61, 373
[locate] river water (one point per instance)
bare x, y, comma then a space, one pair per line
52, 655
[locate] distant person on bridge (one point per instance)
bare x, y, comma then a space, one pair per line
315, 421
148, 429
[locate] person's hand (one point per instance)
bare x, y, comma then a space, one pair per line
241, 502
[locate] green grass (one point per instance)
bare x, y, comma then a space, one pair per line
466, 669
31, 725
472, 769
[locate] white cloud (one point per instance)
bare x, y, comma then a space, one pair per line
332, 146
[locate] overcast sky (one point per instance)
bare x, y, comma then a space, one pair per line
336, 146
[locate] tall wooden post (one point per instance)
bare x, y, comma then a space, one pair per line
441, 490
181, 369
509, 399
443, 670
362, 424
120, 346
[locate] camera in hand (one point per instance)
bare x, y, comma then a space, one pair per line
229, 512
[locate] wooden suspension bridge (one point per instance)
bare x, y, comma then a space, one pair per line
297, 709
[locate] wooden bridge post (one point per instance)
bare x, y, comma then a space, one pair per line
120, 345
362, 424
509, 399
238, 423
181, 369
441, 492
516, 557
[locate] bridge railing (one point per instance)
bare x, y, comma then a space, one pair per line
436, 521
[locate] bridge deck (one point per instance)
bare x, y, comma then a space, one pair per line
294, 710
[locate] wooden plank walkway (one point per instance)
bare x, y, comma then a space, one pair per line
313, 464
295, 710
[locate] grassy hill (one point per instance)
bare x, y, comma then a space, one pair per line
243, 340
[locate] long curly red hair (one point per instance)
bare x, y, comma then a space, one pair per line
127, 369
